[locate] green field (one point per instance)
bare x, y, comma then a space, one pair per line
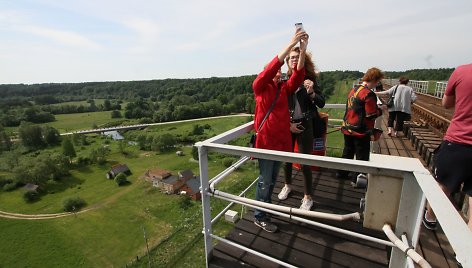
111, 234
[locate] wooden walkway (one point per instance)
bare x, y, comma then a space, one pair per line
304, 245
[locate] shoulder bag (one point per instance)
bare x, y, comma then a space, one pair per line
391, 100
252, 142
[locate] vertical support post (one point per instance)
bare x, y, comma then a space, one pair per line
203, 161
410, 210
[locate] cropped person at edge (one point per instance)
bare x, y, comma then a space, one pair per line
275, 132
303, 108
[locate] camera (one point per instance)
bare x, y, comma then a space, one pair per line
299, 25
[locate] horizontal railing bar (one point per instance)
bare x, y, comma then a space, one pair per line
314, 223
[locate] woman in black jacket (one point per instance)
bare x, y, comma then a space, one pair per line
303, 112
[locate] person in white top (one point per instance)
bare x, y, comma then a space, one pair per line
404, 96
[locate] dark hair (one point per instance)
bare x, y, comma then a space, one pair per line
309, 65
373, 74
404, 80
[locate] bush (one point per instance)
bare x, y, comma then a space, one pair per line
5, 181
185, 202
30, 196
228, 161
83, 161
120, 179
10, 186
72, 204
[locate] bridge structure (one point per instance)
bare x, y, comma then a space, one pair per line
349, 227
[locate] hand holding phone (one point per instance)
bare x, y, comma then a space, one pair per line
299, 26
300, 127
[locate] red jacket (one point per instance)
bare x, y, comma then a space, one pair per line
275, 133
361, 111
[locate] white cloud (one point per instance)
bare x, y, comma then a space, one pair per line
63, 37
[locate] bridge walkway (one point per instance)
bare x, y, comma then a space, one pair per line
305, 245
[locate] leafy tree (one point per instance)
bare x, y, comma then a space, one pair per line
5, 141
31, 136
107, 105
31, 196
120, 179
197, 129
10, 160
99, 155
195, 152
51, 135
116, 114
73, 204
68, 148
163, 143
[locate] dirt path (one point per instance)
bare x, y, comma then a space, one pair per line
109, 200
9, 215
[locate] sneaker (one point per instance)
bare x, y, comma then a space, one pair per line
306, 204
284, 193
430, 225
266, 225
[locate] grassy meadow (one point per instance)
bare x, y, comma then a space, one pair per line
111, 233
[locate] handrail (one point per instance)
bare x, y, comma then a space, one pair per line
417, 184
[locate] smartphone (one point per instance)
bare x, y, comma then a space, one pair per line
300, 127
299, 25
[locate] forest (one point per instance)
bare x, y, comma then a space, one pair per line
155, 100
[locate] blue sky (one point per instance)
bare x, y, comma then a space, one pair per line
114, 40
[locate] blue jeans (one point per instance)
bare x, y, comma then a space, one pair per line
268, 172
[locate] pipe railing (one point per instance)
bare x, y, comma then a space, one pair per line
417, 184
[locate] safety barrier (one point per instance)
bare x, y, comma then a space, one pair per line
412, 181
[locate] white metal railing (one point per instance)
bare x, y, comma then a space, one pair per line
419, 86
417, 183
440, 88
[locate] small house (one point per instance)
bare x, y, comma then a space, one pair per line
186, 174
192, 188
31, 187
117, 169
156, 174
169, 185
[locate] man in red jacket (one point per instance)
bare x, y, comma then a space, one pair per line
274, 131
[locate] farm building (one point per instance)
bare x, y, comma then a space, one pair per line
117, 169
192, 188
156, 174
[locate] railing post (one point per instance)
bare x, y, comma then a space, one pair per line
206, 209
410, 210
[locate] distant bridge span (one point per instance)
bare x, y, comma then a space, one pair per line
140, 126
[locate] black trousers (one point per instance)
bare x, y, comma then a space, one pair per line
354, 146
399, 117
305, 146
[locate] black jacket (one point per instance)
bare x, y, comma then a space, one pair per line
307, 105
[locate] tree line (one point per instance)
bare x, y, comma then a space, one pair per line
156, 100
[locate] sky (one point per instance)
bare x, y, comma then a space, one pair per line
57, 41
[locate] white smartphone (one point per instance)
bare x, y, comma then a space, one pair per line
299, 25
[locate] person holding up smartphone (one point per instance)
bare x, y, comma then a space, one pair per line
303, 109
273, 133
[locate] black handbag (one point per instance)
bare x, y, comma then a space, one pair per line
391, 100
252, 142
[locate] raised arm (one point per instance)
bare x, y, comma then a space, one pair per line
295, 39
